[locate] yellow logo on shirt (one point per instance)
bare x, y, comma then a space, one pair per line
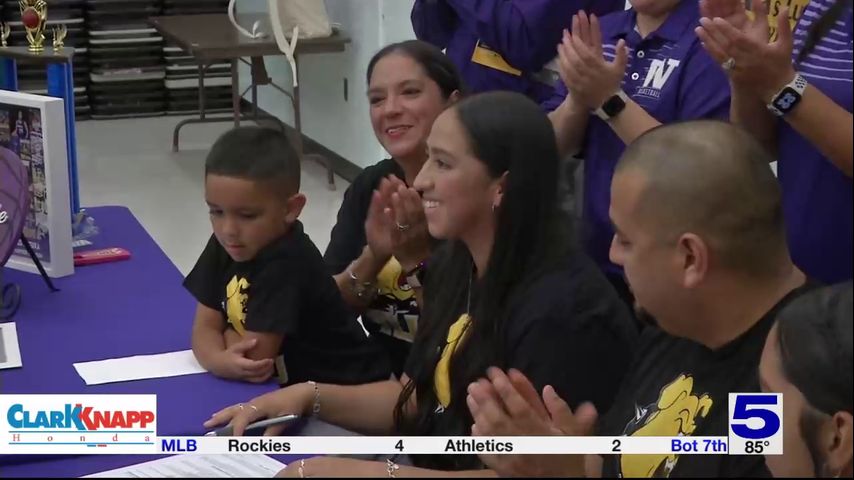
394, 310
796, 8
392, 283
674, 414
236, 299
442, 376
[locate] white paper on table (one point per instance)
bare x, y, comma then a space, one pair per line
10, 351
139, 367
216, 466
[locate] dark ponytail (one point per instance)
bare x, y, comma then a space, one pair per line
512, 136
436, 64
815, 342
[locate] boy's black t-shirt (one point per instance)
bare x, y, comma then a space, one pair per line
567, 329
392, 318
286, 290
678, 387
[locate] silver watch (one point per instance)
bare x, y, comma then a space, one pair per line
789, 96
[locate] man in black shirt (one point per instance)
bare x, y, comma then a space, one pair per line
700, 235
266, 304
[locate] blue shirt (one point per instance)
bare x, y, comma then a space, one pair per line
817, 196
671, 77
524, 32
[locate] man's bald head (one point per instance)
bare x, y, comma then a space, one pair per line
711, 179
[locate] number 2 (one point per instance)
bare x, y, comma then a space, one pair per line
615, 446
399, 445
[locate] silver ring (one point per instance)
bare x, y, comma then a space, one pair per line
403, 227
240, 406
301, 468
728, 64
253, 407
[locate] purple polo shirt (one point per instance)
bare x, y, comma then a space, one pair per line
524, 32
817, 196
672, 78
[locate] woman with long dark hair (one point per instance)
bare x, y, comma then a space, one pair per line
794, 94
506, 289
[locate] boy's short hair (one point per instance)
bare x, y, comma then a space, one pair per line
258, 154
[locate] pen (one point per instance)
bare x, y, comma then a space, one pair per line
228, 430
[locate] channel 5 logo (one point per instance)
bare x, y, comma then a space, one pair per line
755, 424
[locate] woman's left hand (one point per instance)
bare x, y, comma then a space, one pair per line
752, 62
586, 73
410, 238
509, 405
324, 467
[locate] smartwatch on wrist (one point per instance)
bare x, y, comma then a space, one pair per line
788, 97
613, 106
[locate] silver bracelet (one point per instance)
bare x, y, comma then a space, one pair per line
364, 291
391, 467
315, 408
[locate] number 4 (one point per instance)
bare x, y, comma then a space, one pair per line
399, 445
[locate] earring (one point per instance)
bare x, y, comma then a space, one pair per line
826, 469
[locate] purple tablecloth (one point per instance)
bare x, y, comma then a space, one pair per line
133, 307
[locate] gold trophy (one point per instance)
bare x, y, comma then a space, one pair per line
59, 34
33, 16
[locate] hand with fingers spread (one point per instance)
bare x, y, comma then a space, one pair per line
396, 223
751, 61
410, 238
232, 363
377, 229
590, 79
733, 11
296, 399
567, 73
508, 405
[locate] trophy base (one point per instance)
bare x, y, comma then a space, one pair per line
36, 48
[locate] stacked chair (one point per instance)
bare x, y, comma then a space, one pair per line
182, 73
126, 62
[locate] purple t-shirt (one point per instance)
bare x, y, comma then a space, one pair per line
672, 78
817, 196
524, 32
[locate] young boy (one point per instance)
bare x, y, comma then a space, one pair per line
266, 306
